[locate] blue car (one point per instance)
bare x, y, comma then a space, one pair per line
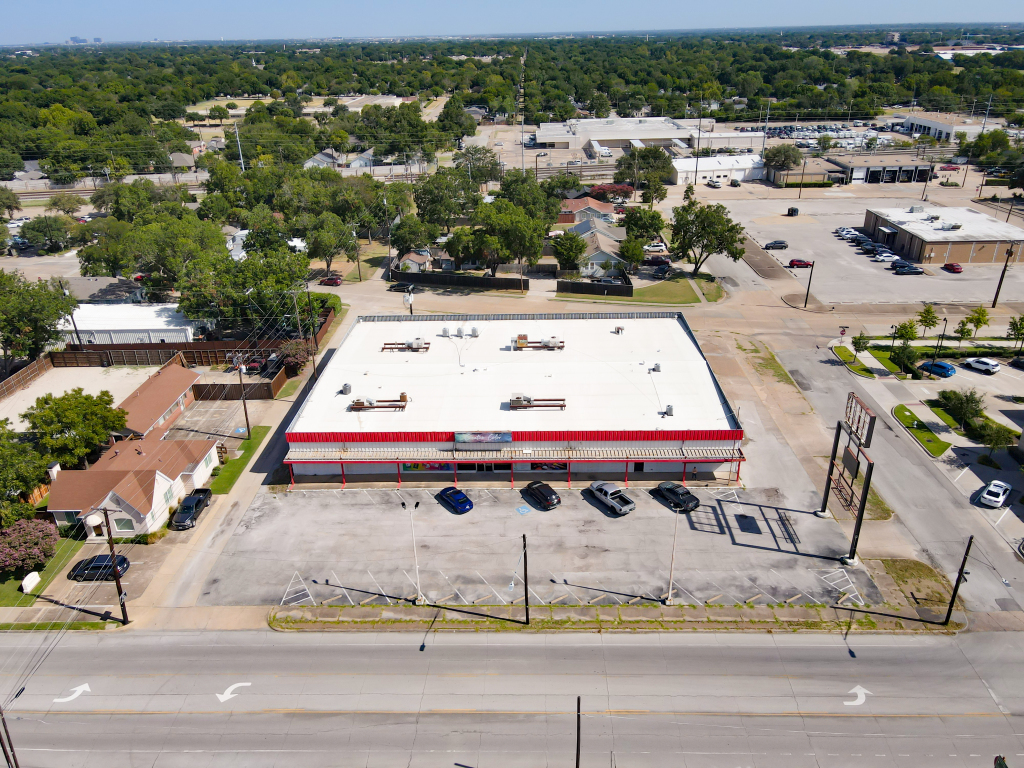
942, 370
455, 499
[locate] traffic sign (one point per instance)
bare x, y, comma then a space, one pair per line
842, 331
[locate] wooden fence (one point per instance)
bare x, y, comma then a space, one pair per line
595, 289
254, 390
468, 281
25, 376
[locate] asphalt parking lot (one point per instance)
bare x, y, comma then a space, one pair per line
354, 547
217, 420
845, 275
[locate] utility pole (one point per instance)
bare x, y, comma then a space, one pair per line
416, 556
241, 157
1002, 276
985, 121
809, 278
803, 170
670, 600
11, 757
526, 580
577, 732
245, 407
1012, 199
113, 563
942, 337
959, 580
312, 331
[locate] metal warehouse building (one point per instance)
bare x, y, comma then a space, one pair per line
933, 235
449, 397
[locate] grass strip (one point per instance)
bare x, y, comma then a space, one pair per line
882, 356
289, 388
920, 430
852, 362
230, 472
10, 592
53, 626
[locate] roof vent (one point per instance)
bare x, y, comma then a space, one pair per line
669, 410
552, 342
619, 330
917, 209
416, 343
346, 389
657, 368
474, 331
444, 332
458, 332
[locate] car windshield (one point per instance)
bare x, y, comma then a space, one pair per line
182, 514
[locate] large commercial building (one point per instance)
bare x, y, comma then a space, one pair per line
889, 168
126, 324
943, 126
933, 235
620, 132
447, 397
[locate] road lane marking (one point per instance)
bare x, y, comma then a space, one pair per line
78, 691
861, 693
230, 692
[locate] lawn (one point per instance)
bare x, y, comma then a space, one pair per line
944, 416
920, 430
289, 388
882, 356
230, 472
10, 594
852, 362
712, 290
370, 264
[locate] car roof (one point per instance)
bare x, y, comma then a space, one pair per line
998, 484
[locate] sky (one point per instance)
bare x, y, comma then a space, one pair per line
55, 21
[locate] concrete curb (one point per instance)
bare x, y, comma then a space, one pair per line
920, 445
846, 365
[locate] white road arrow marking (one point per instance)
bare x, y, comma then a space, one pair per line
228, 694
78, 691
862, 694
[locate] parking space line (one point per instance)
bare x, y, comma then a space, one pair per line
724, 591
756, 586
379, 588
503, 601
680, 589
297, 594
794, 586
532, 592
566, 588
350, 600
453, 587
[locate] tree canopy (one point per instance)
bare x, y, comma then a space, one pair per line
68, 427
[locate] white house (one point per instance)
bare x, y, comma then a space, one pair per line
414, 261
724, 168
602, 255
328, 158
126, 324
365, 160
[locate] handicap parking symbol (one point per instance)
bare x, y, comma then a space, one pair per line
524, 510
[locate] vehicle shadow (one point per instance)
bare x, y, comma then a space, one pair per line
592, 500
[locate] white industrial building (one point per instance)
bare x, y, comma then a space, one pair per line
944, 126
619, 132
443, 397
723, 168
726, 140
126, 324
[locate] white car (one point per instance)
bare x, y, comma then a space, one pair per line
612, 497
983, 364
655, 248
886, 257
995, 494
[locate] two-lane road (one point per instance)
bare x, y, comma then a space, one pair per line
509, 699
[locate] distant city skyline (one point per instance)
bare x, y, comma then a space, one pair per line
56, 21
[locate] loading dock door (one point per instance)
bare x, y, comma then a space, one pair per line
875, 176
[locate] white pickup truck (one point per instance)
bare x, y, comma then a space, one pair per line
612, 497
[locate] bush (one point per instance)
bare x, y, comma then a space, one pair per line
807, 184
294, 354
215, 471
74, 531
27, 545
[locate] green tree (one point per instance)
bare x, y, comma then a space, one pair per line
30, 313
998, 437
165, 246
219, 113
68, 427
67, 203
640, 163
51, 233
964, 405
411, 233
699, 231
22, 470
782, 157
570, 250
907, 331
1015, 329
10, 203
654, 190
10, 163
904, 355
632, 251
978, 318
927, 318
104, 252
824, 142
480, 163
963, 331
454, 120
445, 196
459, 245
860, 343
328, 237
541, 202
599, 105
521, 236
643, 224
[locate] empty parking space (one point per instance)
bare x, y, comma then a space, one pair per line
844, 274
355, 547
217, 420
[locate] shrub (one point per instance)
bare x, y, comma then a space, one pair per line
27, 544
294, 354
74, 531
215, 471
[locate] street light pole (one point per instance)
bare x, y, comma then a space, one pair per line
245, 406
1002, 275
809, 278
12, 758
942, 337
959, 580
892, 344
526, 581
577, 732
672, 562
113, 564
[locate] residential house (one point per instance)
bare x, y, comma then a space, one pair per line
140, 481
364, 160
31, 172
477, 113
158, 401
585, 227
216, 144
414, 261
181, 160
104, 290
197, 147
602, 256
328, 158
580, 209
236, 244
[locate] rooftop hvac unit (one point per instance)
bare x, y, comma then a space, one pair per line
619, 329
346, 389
474, 331
668, 410
956, 226
458, 332
416, 343
522, 341
403, 397
933, 217
518, 398
657, 367
444, 332
552, 341
917, 209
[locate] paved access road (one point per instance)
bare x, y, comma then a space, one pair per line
481, 700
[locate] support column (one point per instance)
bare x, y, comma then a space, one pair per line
684, 474
455, 470
291, 474
398, 466
512, 475
343, 474
568, 472
626, 479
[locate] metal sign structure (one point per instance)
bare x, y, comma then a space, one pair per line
860, 420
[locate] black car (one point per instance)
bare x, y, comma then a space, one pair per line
910, 269
776, 244
543, 494
403, 287
656, 261
678, 497
190, 509
662, 271
98, 568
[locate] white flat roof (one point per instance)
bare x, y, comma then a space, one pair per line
720, 162
126, 317
464, 384
621, 128
974, 225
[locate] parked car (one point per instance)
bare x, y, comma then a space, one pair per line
661, 272
98, 568
776, 244
910, 269
900, 263
656, 261
403, 287
800, 263
938, 368
678, 497
983, 364
843, 230
953, 267
995, 494
606, 280
543, 494
191, 507
20, 243
949, 167
715, 184
886, 256
735, 183
456, 499
655, 248
613, 498
333, 280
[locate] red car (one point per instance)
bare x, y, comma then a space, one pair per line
331, 281
956, 269
950, 168
797, 263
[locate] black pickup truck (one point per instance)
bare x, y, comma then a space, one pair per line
190, 509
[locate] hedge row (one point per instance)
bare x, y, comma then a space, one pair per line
807, 184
